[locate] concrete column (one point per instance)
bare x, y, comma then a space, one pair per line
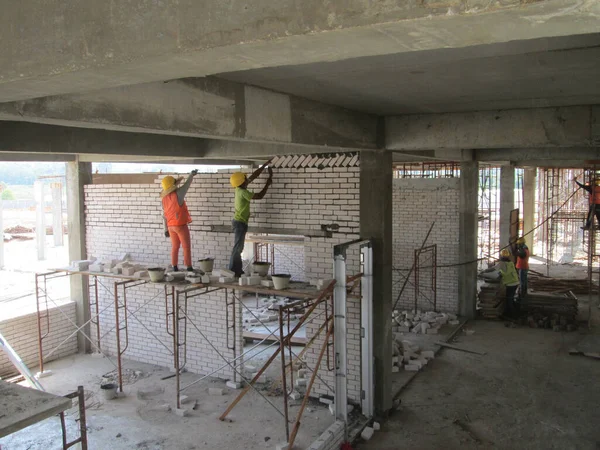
78, 175
376, 224
507, 201
529, 176
1, 231
57, 224
467, 271
40, 222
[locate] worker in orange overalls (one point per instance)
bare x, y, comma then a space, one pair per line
594, 199
176, 218
522, 254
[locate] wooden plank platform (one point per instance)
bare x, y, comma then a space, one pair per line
21, 406
272, 338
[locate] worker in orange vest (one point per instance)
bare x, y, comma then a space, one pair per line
176, 218
594, 199
522, 254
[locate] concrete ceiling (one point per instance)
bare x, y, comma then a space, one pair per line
544, 72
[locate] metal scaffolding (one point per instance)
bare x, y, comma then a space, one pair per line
179, 322
488, 238
445, 169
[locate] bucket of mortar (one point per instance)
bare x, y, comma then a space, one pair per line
261, 268
156, 274
281, 280
109, 390
206, 264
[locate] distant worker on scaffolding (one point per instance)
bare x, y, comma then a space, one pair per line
522, 254
594, 199
243, 196
510, 279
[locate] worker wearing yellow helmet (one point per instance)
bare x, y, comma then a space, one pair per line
176, 218
508, 274
241, 216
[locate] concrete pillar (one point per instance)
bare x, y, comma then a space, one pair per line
57, 224
376, 224
1, 231
529, 176
40, 220
78, 175
467, 241
507, 201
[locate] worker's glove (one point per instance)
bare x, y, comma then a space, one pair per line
194, 172
167, 234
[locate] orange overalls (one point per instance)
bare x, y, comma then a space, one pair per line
178, 218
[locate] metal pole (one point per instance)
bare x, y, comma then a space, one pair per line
82, 419
340, 338
39, 324
283, 374
118, 330
366, 342
176, 349
97, 312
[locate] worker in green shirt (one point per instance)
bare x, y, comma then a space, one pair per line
243, 197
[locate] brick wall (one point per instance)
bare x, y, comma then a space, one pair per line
418, 203
290, 259
22, 334
127, 219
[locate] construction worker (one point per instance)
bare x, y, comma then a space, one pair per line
176, 218
510, 280
594, 199
522, 254
241, 216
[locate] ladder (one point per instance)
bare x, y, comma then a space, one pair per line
19, 364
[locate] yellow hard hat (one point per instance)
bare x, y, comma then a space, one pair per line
505, 253
237, 179
167, 182
521, 241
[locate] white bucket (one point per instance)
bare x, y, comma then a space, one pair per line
206, 264
261, 268
156, 274
109, 390
281, 280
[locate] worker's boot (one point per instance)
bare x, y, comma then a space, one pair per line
190, 269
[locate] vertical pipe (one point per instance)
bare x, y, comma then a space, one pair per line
118, 335
97, 312
340, 338
82, 419
283, 374
176, 352
39, 324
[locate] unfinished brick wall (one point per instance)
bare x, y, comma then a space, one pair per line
418, 203
127, 219
22, 334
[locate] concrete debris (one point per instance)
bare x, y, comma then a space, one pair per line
295, 395
181, 412
215, 391
367, 433
376, 426
233, 384
326, 399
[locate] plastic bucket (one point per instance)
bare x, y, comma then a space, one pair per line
109, 390
206, 264
156, 274
281, 280
261, 268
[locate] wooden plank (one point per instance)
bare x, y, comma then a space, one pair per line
260, 336
21, 406
304, 294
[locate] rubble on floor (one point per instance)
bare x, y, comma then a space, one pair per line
540, 283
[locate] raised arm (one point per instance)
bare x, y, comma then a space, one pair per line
257, 173
181, 191
262, 193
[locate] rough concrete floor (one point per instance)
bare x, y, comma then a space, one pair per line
139, 422
526, 393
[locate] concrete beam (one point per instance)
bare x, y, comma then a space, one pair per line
203, 107
31, 138
563, 157
28, 157
573, 126
47, 49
